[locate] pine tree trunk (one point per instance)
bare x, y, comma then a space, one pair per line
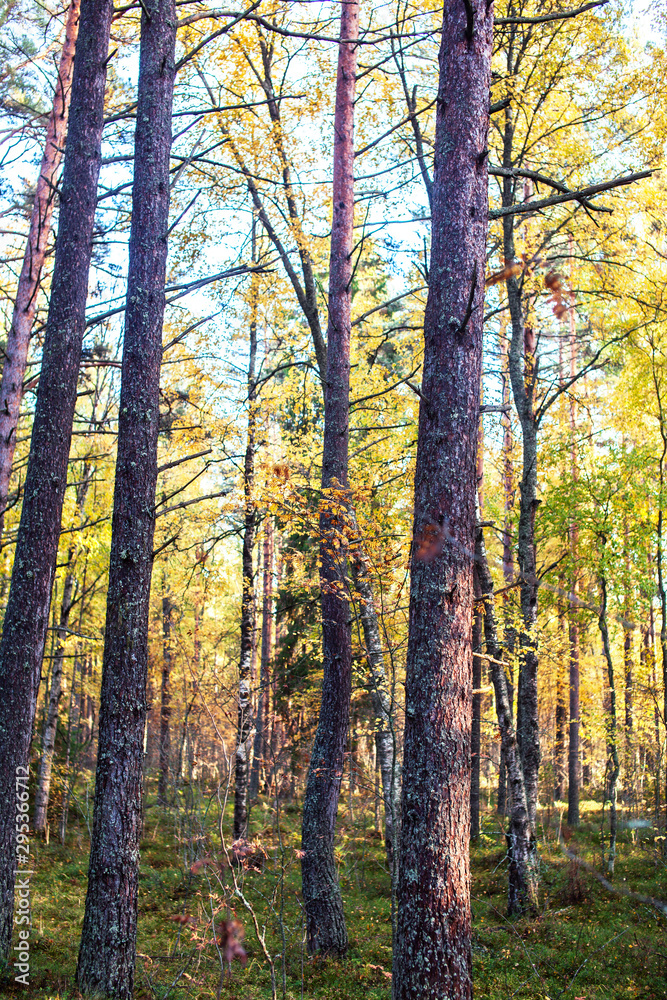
522, 881
27, 614
433, 957
27, 292
261, 752
325, 922
165, 701
108, 940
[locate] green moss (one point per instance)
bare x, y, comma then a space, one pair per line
584, 943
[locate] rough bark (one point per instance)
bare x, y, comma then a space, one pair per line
260, 756
107, 952
165, 702
613, 763
522, 881
325, 922
26, 617
27, 292
433, 956
244, 711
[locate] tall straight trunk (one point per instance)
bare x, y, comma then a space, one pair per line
71, 721
325, 921
244, 712
42, 791
261, 748
165, 699
613, 763
522, 881
27, 292
433, 955
108, 939
662, 589
476, 731
27, 615
523, 373
561, 723
382, 702
573, 756
509, 630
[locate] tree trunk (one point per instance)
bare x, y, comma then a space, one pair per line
107, 952
43, 788
27, 292
381, 699
433, 956
26, 618
165, 700
561, 722
573, 757
476, 732
244, 714
509, 630
613, 764
523, 373
522, 882
260, 756
325, 921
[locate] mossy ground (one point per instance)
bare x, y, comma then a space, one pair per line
585, 944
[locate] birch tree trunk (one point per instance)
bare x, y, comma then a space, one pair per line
27, 292
108, 939
382, 701
244, 714
261, 747
523, 372
27, 614
433, 956
522, 881
325, 922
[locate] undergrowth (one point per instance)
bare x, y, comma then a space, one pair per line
586, 943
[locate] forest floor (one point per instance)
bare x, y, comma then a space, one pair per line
587, 943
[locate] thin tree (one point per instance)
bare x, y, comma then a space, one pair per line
27, 615
165, 696
27, 292
325, 921
108, 939
260, 748
244, 717
433, 955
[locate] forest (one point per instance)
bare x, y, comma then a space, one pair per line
333, 500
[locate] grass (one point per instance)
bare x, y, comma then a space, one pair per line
585, 944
